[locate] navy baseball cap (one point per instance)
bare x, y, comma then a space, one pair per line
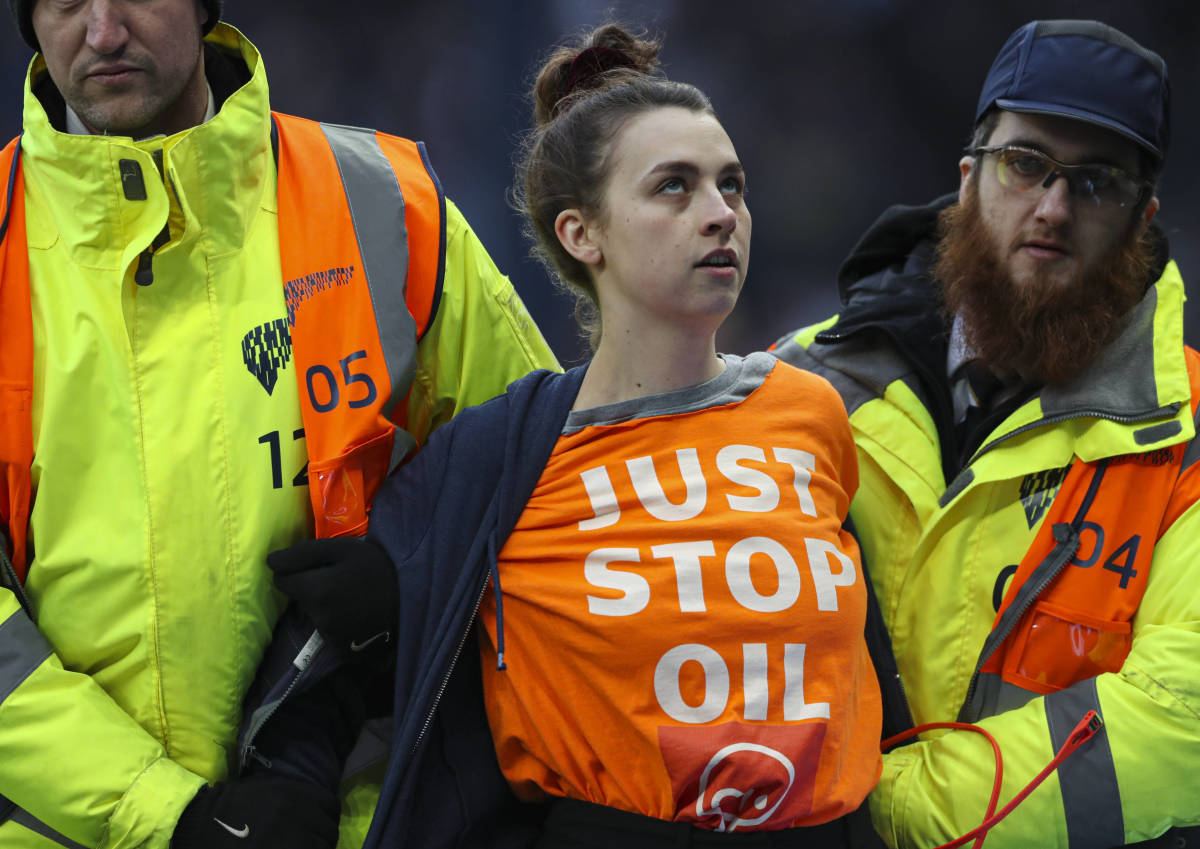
1084, 70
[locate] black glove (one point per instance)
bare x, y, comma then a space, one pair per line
345, 585
259, 812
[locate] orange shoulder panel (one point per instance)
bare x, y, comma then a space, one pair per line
348, 385
16, 364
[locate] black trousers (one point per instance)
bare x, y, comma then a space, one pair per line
572, 824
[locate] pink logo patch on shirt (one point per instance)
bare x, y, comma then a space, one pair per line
741, 777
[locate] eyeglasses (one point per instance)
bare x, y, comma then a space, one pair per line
1023, 168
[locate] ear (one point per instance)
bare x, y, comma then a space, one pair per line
965, 166
1149, 212
577, 237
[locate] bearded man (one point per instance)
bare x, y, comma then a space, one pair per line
1024, 406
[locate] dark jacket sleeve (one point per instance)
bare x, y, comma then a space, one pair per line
307, 705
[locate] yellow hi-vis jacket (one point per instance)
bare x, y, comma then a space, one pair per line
942, 554
170, 450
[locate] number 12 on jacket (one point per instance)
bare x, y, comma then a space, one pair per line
272, 441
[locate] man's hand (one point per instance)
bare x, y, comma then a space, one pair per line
345, 585
259, 812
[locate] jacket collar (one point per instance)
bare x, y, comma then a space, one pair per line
74, 124
1135, 396
217, 170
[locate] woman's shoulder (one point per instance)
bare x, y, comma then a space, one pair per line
783, 372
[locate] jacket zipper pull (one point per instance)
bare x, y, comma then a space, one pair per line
144, 275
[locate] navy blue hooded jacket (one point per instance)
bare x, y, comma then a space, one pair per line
442, 518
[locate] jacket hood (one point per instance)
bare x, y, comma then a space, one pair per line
886, 284
890, 241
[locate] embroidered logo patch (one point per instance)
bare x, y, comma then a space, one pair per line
266, 350
1039, 489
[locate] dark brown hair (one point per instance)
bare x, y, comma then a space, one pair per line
565, 159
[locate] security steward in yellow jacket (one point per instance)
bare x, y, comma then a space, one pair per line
219, 328
1024, 407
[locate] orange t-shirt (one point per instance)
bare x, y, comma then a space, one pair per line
683, 613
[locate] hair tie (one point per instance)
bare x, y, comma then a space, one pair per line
590, 64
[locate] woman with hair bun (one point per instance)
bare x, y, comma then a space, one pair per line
626, 609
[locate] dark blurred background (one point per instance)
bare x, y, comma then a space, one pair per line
838, 108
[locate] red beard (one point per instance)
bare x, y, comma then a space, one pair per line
1045, 334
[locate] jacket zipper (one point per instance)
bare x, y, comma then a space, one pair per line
144, 275
450, 668
1062, 417
300, 663
998, 637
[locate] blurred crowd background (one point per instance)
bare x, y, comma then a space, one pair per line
838, 109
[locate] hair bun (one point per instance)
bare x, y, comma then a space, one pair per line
603, 57
586, 69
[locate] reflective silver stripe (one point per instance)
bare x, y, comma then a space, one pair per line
994, 695
32, 823
1091, 798
22, 650
377, 211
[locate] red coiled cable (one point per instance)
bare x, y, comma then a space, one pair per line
1084, 730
